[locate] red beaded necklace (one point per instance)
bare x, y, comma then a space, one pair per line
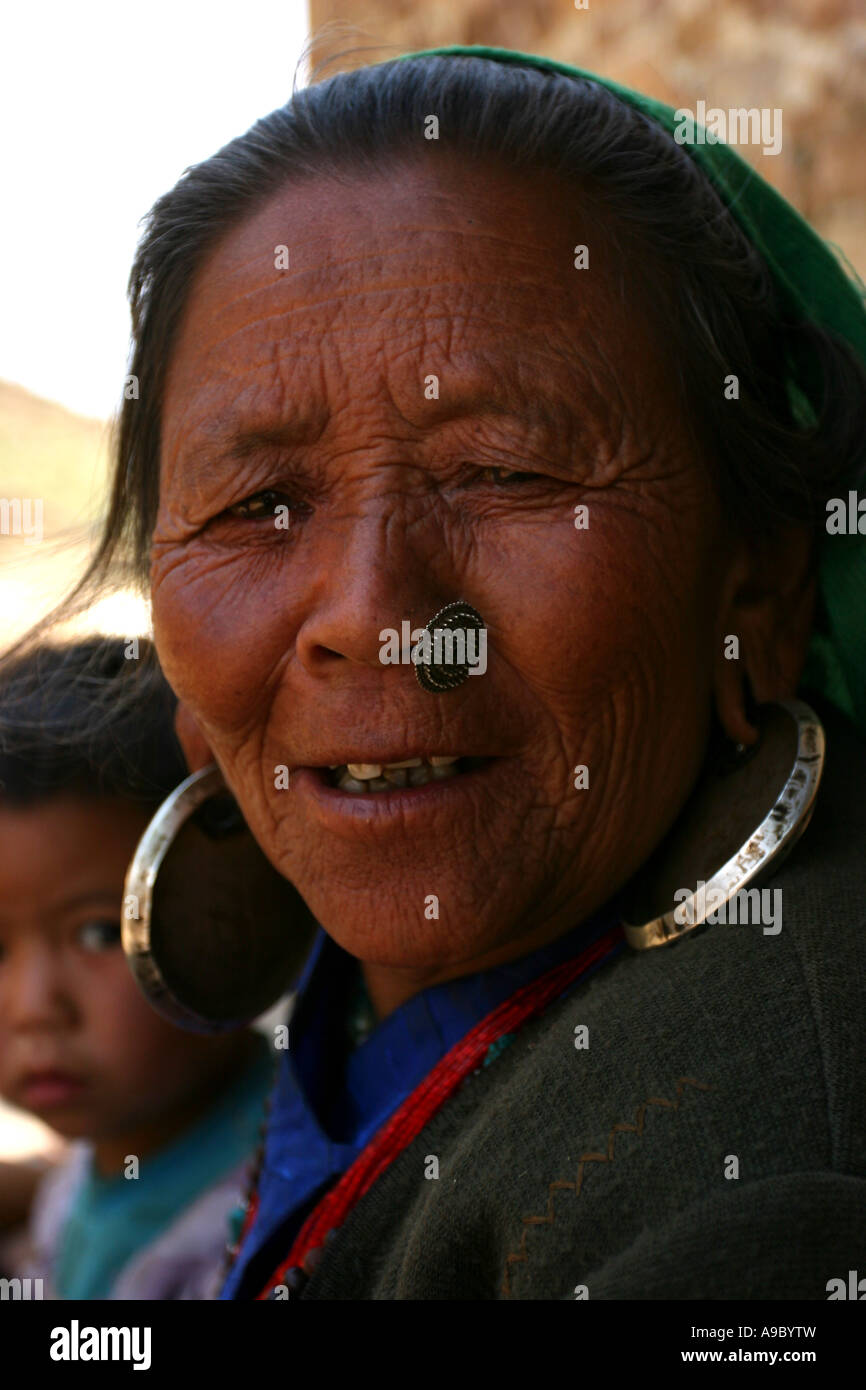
468, 1055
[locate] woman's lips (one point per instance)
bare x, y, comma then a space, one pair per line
410, 772
48, 1090
334, 807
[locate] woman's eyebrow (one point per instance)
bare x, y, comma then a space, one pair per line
546, 422
226, 440
487, 396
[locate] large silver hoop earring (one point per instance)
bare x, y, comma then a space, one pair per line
213, 934
748, 810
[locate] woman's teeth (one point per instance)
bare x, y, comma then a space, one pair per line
381, 777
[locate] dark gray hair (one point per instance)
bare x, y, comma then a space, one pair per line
86, 719
713, 292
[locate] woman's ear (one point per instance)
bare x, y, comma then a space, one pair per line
195, 746
765, 621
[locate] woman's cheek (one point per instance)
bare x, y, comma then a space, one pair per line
575, 609
220, 627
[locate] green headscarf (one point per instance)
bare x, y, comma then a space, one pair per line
814, 287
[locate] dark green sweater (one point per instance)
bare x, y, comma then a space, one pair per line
605, 1168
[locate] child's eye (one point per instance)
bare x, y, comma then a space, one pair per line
99, 935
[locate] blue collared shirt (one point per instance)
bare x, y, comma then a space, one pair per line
329, 1101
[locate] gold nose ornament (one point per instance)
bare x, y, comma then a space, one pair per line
438, 666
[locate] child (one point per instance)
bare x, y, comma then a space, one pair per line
164, 1122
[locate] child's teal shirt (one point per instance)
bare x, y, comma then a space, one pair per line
112, 1219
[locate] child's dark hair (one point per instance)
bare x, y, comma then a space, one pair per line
50, 741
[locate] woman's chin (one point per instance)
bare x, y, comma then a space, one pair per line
423, 933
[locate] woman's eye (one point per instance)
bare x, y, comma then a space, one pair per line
99, 935
263, 506
505, 476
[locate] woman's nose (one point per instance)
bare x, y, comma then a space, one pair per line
390, 568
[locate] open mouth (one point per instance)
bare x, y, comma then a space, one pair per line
364, 778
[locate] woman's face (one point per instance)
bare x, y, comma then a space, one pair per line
429, 337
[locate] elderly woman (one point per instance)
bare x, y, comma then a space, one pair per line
470, 342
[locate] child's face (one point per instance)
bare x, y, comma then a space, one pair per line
79, 1045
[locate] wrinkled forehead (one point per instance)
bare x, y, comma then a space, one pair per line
510, 289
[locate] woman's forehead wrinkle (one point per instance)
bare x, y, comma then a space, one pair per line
368, 248
516, 337
325, 274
